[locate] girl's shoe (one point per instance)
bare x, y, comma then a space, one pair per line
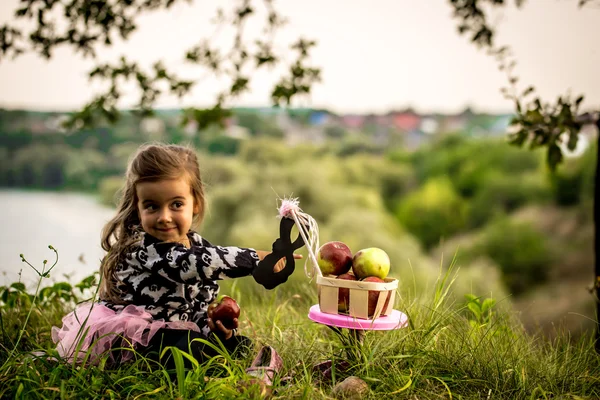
266, 365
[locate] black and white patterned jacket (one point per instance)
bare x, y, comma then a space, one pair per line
176, 283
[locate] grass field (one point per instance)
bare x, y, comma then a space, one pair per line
455, 346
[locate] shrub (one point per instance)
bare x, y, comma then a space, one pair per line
109, 190
467, 162
263, 151
223, 145
589, 160
521, 252
567, 183
505, 193
84, 168
221, 170
351, 146
574, 178
433, 212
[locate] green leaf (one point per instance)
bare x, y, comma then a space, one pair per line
179, 366
572, 143
19, 392
487, 305
45, 292
471, 297
518, 138
65, 286
528, 91
475, 308
555, 156
18, 286
534, 116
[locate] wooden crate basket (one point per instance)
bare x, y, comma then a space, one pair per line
328, 287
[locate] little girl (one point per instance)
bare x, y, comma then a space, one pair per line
158, 276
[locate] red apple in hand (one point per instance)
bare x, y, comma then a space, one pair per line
344, 293
226, 309
374, 295
334, 258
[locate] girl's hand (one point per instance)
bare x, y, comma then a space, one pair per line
218, 327
280, 264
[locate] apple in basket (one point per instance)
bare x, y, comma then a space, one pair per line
374, 295
225, 309
371, 262
344, 293
334, 258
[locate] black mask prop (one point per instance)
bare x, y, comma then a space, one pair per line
283, 247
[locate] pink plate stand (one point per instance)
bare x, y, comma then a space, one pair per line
395, 320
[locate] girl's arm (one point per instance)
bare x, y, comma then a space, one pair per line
201, 262
198, 263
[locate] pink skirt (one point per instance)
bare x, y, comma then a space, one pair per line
93, 329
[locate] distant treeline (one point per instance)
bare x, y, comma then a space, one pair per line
36, 152
451, 187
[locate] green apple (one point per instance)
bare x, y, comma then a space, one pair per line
371, 262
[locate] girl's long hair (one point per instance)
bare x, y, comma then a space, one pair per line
151, 163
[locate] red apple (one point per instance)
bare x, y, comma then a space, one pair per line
226, 309
334, 258
344, 293
374, 295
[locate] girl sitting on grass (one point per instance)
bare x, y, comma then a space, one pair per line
159, 276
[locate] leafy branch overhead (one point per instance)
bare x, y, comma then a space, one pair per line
536, 123
87, 26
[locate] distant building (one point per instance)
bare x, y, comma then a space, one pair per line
353, 121
318, 118
406, 121
429, 125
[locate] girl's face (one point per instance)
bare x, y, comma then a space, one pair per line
166, 209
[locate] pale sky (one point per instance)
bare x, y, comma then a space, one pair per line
375, 56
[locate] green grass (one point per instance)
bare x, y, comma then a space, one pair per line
467, 349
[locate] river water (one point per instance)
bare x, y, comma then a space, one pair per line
71, 222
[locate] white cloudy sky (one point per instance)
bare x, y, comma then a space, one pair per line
375, 56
